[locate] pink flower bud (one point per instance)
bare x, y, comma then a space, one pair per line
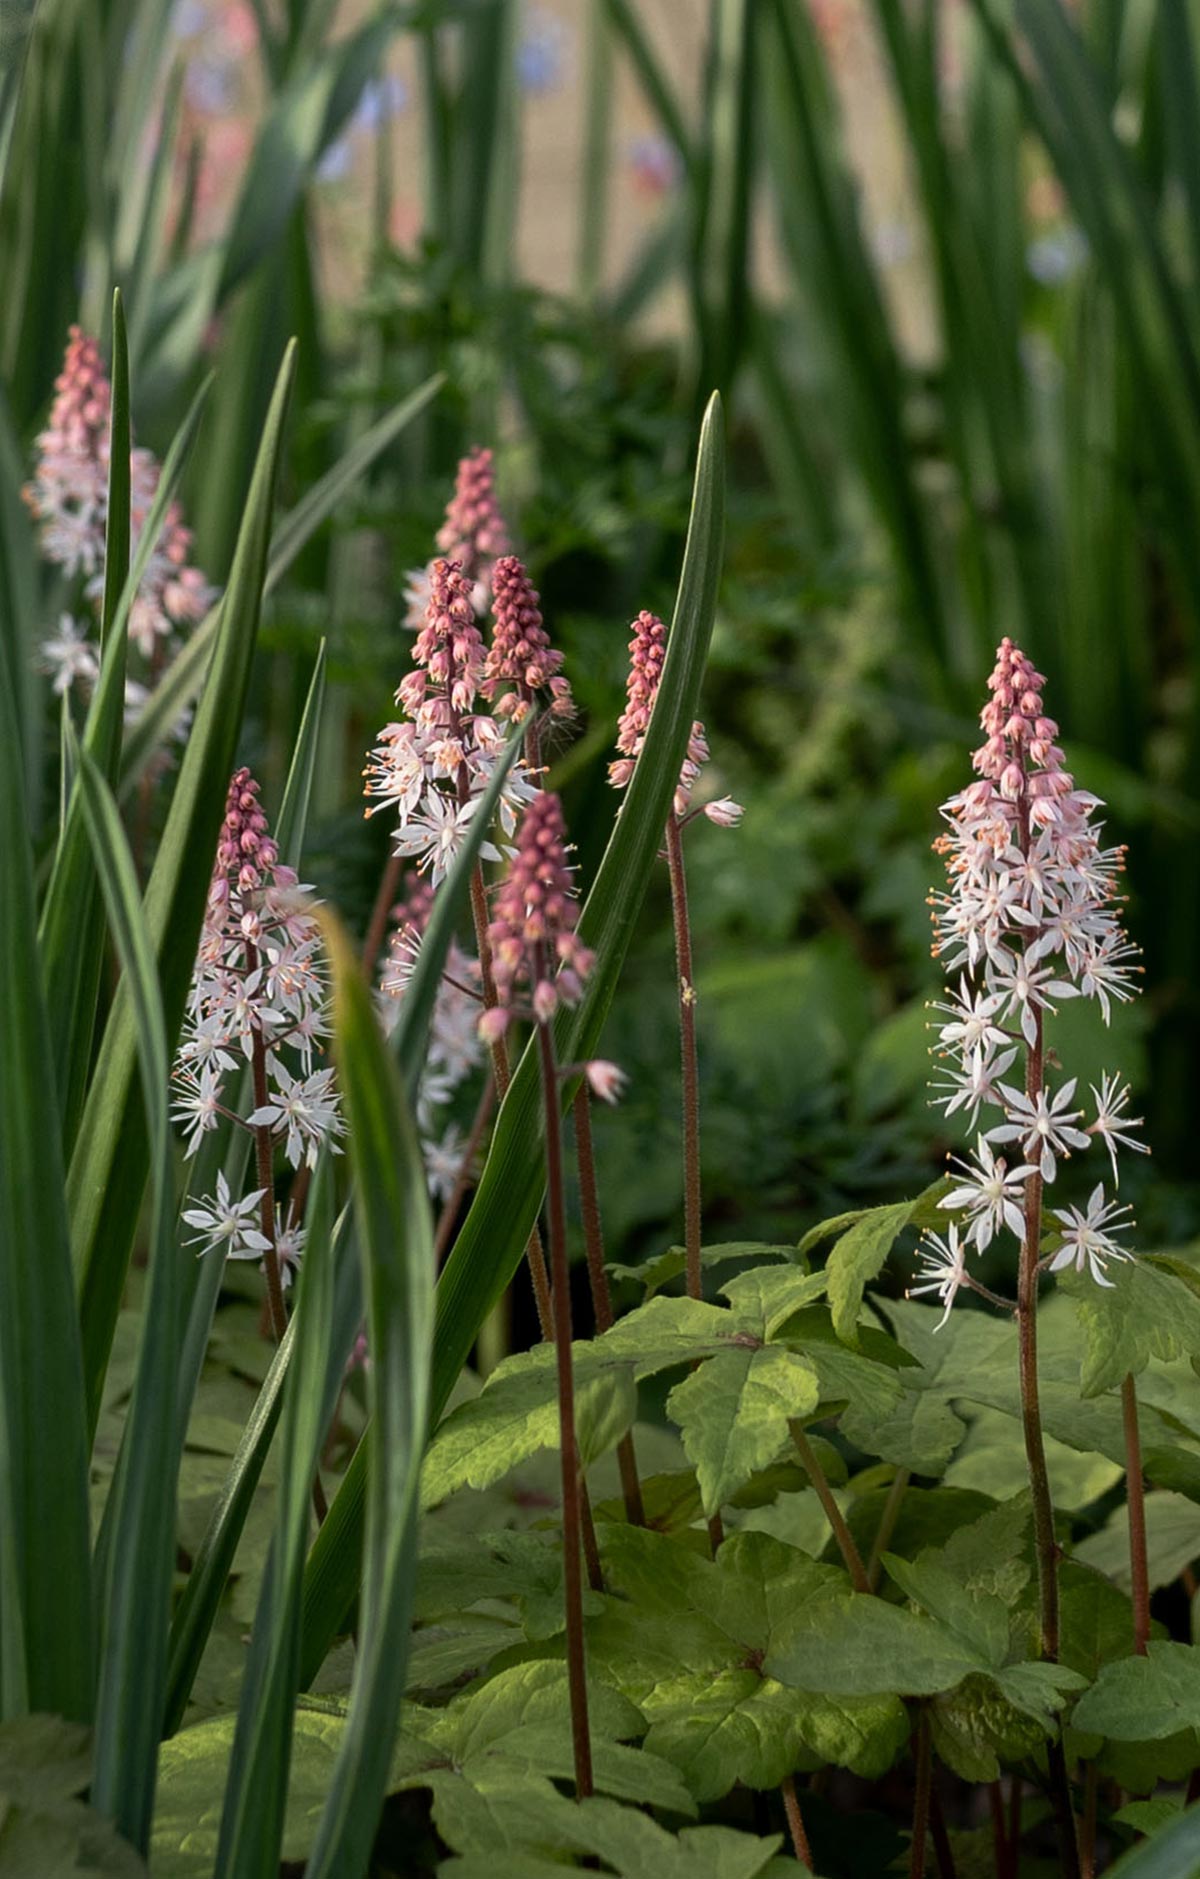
606, 1080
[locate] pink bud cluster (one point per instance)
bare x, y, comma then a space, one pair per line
521, 655
69, 496
434, 766
1029, 918
259, 983
647, 653
532, 931
474, 532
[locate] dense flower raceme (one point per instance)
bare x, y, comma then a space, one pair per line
455, 1051
1029, 920
473, 534
259, 984
535, 948
647, 653
433, 766
69, 496
521, 662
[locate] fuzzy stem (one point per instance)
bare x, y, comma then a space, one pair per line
795, 1821
264, 1160
1045, 1545
593, 1237
264, 1156
687, 1041
1015, 1797
1087, 1837
389, 884
887, 1525
1031, 1419
691, 1085
999, 1835
502, 1074
943, 1852
569, 1455
923, 1756
833, 1513
1139, 1568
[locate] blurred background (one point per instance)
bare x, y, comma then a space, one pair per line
942, 257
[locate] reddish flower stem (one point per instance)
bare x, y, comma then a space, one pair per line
795, 1821
923, 1757
593, 1238
687, 1040
569, 1455
1139, 1568
264, 1160
691, 1085
389, 885
943, 1852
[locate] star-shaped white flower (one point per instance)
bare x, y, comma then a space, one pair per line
1087, 1236
225, 1225
1043, 1124
941, 1268
992, 1193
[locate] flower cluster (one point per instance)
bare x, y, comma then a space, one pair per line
69, 496
647, 652
532, 931
434, 766
257, 999
521, 656
1029, 919
473, 534
455, 1051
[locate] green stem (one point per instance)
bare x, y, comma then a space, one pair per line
833, 1513
887, 1525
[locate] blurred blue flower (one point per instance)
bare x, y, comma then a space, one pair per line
1055, 257
188, 19
541, 55
335, 164
655, 164
382, 99
209, 86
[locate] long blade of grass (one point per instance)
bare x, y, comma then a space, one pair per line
72, 927
256, 1791
72, 916
19, 609
108, 1168
822, 236
182, 680
136, 1554
659, 92
493, 1236
396, 1239
45, 1564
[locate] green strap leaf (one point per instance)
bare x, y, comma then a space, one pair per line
45, 1565
136, 1553
183, 678
72, 917
396, 1238
108, 1167
493, 1237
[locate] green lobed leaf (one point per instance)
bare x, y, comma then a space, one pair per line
733, 1414
1172, 1540
1141, 1699
659, 1271
1148, 1312
858, 1256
